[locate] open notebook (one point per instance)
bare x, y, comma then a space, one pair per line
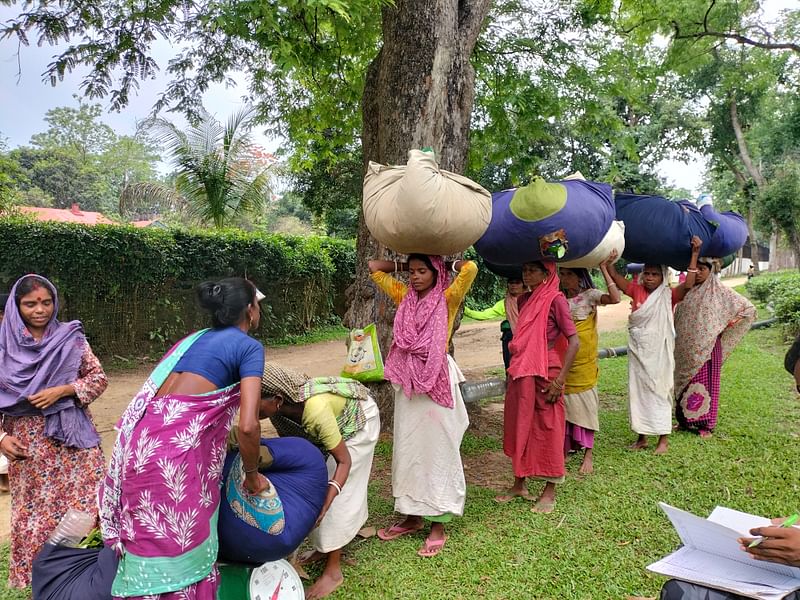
711, 555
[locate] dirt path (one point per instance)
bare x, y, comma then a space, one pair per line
477, 348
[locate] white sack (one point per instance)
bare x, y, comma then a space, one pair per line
421, 208
614, 239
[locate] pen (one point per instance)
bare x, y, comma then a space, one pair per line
787, 523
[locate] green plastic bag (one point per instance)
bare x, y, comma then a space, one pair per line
364, 360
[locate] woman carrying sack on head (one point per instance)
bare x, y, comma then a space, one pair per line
542, 352
160, 498
429, 413
651, 347
48, 377
709, 324
339, 415
580, 388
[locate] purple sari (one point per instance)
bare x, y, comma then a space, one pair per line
160, 498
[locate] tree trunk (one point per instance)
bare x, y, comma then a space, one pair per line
774, 244
744, 153
419, 93
751, 232
746, 191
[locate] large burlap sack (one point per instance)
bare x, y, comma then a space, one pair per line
563, 221
421, 208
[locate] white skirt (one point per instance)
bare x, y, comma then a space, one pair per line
348, 511
427, 474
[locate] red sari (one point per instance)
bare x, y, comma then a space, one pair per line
534, 429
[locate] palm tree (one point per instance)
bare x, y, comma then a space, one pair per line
217, 177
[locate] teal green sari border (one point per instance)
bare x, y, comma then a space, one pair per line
142, 576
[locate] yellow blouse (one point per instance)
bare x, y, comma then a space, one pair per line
454, 295
319, 418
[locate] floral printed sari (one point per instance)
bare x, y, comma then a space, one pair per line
159, 500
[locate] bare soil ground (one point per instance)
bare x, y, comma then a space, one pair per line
477, 350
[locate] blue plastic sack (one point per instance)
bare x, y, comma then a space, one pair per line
563, 221
659, 231
300, 477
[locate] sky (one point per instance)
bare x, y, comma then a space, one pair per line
25, 98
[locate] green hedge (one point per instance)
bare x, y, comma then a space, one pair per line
134, 288
780, 291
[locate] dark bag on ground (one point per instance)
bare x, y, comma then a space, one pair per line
63, 573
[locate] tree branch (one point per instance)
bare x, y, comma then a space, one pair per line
737, 37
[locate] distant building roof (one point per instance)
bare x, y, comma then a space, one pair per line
150, 223
71, 215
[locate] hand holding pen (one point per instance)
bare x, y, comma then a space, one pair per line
779, 543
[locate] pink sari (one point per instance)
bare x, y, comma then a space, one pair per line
159, 500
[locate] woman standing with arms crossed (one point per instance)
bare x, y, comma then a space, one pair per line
429, 413
580, 389
48, 377
159, 500
534, 419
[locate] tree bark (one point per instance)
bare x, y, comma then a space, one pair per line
419, 92
746, 191
744, 153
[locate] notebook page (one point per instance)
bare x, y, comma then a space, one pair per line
715, 539
697, 566
737, 520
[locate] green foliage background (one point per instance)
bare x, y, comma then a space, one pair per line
133, 289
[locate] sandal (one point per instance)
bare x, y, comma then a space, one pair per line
396, 531
431, 547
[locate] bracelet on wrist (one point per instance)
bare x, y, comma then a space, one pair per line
336, 485
253, 470
691, 270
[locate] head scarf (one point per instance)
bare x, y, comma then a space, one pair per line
529, 346
417, 360
708, 310
712, 263
28, 367
283, 381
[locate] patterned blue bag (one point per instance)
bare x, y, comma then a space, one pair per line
263, 511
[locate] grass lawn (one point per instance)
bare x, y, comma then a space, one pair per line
606, 527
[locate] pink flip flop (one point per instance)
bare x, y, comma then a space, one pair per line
431, 548
395, 531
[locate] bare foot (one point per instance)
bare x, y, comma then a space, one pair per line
310, 557
324, 586
586, 467
638, 445
511, 494
544, 505
705, 434
661, 448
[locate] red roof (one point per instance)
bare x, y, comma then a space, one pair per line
73, 215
